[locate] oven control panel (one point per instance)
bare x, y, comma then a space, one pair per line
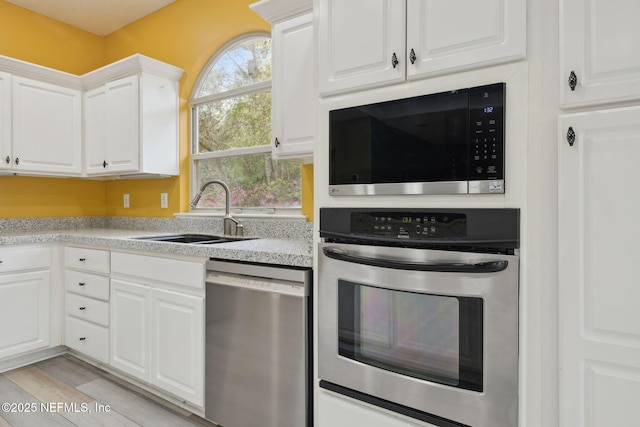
409, 225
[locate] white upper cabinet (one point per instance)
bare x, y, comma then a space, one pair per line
95, 132
361, 43
130, 119
112, 128
5, 120
47, 128
365, 43
131, 122
600, 46
293, 89
448, 36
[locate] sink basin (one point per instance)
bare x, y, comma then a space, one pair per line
199, 239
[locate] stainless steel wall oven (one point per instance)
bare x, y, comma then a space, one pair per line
418, 311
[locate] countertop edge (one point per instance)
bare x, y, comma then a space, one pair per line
289, 252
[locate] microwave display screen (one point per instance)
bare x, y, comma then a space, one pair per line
430, 337
444, 143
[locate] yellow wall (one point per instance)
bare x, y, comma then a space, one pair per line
34, 38
185, 33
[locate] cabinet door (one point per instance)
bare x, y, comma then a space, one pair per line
123, 125
130, 330
448, 36
358, 40
293, 89
47, 128
95, 131
24, 312
338, 411
178, 344
599, 252
6, 155
600, 42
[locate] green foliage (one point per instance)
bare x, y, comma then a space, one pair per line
238, 121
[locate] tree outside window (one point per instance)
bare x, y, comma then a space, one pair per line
231, 131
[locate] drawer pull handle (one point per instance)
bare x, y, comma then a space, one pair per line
82, 308
82, 259
82, 338
81, 284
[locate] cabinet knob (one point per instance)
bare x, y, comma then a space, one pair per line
104, 164
394, 60
82, 259
7, 159
573, 80
81, 284
571, 136
82, 308
17, 160
412, 56
276, 142
82, 338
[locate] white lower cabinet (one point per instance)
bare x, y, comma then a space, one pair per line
177, 343
598, 246
87, 301
337, 411
25, 300
130, 328
87, 338
24, 312
157, 329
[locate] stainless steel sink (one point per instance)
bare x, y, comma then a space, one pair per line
198, 239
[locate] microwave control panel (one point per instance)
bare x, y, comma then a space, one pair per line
409, 225
486, 127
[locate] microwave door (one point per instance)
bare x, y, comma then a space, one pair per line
411, 146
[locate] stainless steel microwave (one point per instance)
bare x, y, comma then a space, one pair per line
444, 143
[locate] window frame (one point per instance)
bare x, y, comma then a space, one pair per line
194, 157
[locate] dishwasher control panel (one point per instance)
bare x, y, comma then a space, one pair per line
257, 283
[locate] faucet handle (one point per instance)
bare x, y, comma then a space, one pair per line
239, 229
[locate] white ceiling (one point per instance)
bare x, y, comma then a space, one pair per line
99, 17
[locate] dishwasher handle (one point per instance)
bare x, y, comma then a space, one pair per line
448, 267
273, 286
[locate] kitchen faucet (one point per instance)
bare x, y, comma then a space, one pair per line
228, 221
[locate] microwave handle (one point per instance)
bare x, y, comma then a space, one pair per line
454, 267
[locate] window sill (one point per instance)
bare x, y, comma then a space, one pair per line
256, 215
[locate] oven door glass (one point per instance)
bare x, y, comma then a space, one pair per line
438, 338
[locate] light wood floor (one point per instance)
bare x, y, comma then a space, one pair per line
86, 392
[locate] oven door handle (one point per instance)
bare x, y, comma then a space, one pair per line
453, 267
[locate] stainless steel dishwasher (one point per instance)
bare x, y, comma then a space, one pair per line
258, 345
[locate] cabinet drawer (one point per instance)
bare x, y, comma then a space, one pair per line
87, 309
87, 338
87, 284
164, 270
87, 259
24, 258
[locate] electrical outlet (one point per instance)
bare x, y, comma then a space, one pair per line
125, 200
164, 200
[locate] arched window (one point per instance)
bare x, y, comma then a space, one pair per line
231, 131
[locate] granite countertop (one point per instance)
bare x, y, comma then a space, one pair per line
282, 251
